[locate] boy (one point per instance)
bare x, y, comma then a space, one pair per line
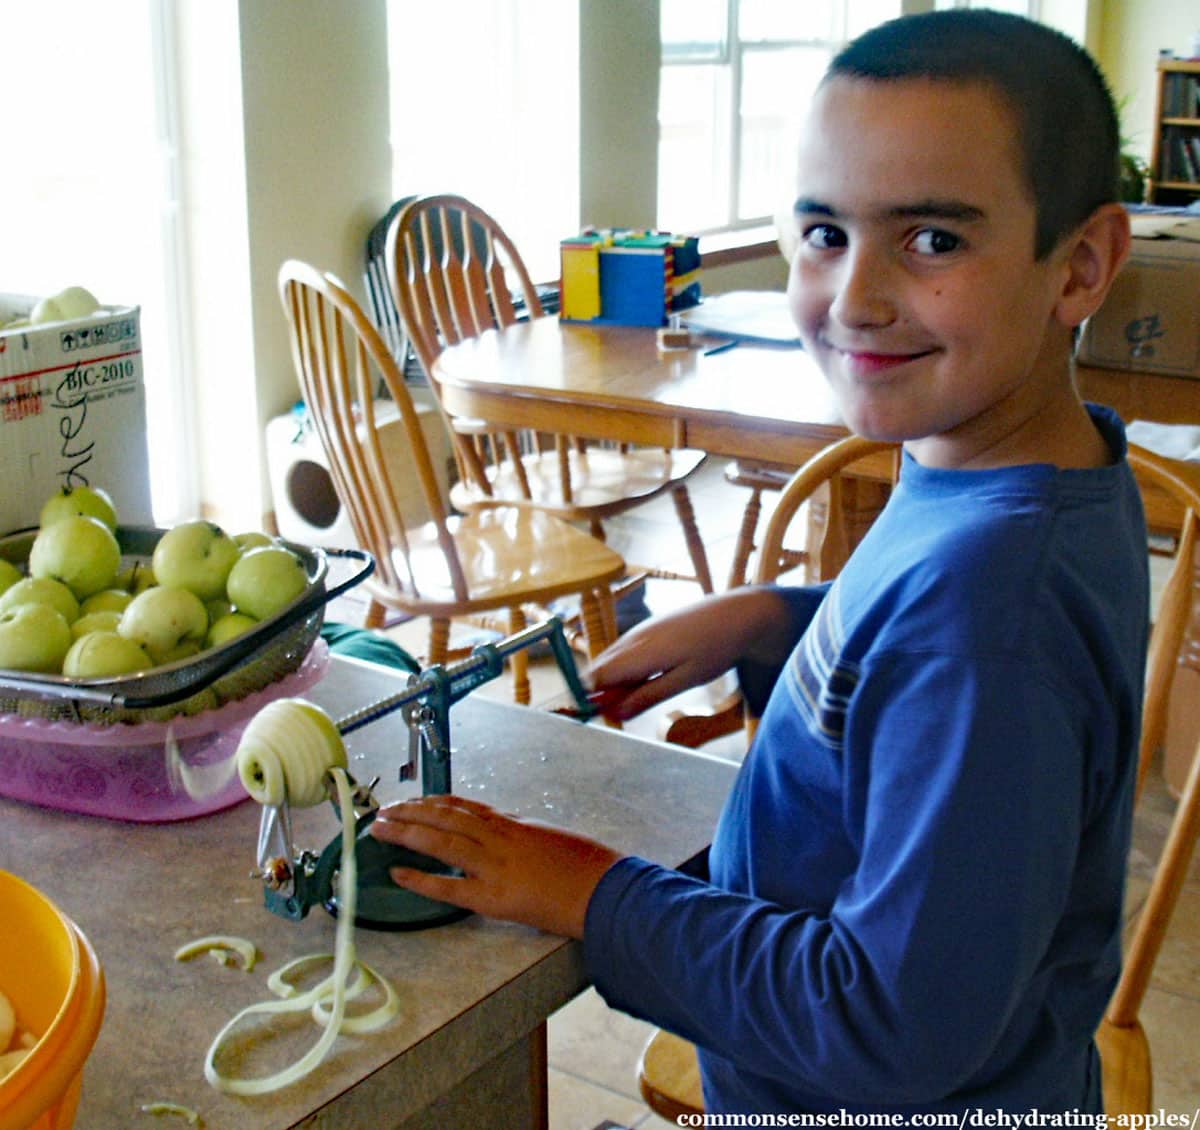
915, 892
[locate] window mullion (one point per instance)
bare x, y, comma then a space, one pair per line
734, 35
184, 497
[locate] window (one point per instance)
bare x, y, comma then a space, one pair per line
490, 114
84, 196
736, 76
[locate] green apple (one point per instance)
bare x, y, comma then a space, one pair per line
228, 627
217, 608
169, 623
137, 578
196, 556
77, 301
9, 574
265, 580
33, 637
93, 502
253, 539
106, 600
105, 621
100, 654
81, 552
42, 590
69, 303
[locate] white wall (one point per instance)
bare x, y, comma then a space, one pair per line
618, 94
1132, 32
285, 110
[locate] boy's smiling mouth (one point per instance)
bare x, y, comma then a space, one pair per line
868, 362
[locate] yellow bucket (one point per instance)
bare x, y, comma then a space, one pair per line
50, 974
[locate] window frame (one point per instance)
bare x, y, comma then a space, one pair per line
731, 53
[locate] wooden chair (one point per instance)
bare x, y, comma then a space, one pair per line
453, 273
1124, 1048
380, 304
756, 476
758, 479
669, 1075
428, 562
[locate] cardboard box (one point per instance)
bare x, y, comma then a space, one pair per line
1151, 318
72, 412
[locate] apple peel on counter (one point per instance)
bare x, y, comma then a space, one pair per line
222, 947
176, 1109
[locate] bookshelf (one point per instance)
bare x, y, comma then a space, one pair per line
1175, 160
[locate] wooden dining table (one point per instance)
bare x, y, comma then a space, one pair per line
752, 400
759, 401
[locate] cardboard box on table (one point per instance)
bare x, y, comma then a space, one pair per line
1150, 320
72, 412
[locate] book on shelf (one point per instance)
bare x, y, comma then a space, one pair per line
1187, 169
1181, 97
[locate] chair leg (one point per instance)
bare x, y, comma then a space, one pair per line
608, 612
599, 620
745, 539
691, 534
375, 615
519, 659
1126, 1071
439, 641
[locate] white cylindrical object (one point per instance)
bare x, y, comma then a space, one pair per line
307, 509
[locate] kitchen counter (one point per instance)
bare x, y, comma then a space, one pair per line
468, 1047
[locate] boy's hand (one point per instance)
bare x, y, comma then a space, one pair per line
515, 869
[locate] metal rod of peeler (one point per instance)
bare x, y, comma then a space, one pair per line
483, 664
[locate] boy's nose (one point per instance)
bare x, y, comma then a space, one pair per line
864, 296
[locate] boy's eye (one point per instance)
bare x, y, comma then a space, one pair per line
824, 236
935, 241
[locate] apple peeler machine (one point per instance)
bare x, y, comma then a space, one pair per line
295, 882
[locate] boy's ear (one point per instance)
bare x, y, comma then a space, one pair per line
1095, 254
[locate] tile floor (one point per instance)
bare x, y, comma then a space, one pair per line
594, 1050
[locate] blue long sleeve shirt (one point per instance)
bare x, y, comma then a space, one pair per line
916, 884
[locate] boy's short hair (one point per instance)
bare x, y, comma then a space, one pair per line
1066, 121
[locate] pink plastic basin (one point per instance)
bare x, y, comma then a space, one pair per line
121, 771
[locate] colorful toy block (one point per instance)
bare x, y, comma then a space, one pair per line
628, 278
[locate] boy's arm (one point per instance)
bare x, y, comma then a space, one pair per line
753, 628
757, 676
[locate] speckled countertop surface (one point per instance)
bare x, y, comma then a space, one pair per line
138, 891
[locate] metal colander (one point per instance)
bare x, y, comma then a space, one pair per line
271, 649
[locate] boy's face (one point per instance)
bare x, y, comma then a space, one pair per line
914, 283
